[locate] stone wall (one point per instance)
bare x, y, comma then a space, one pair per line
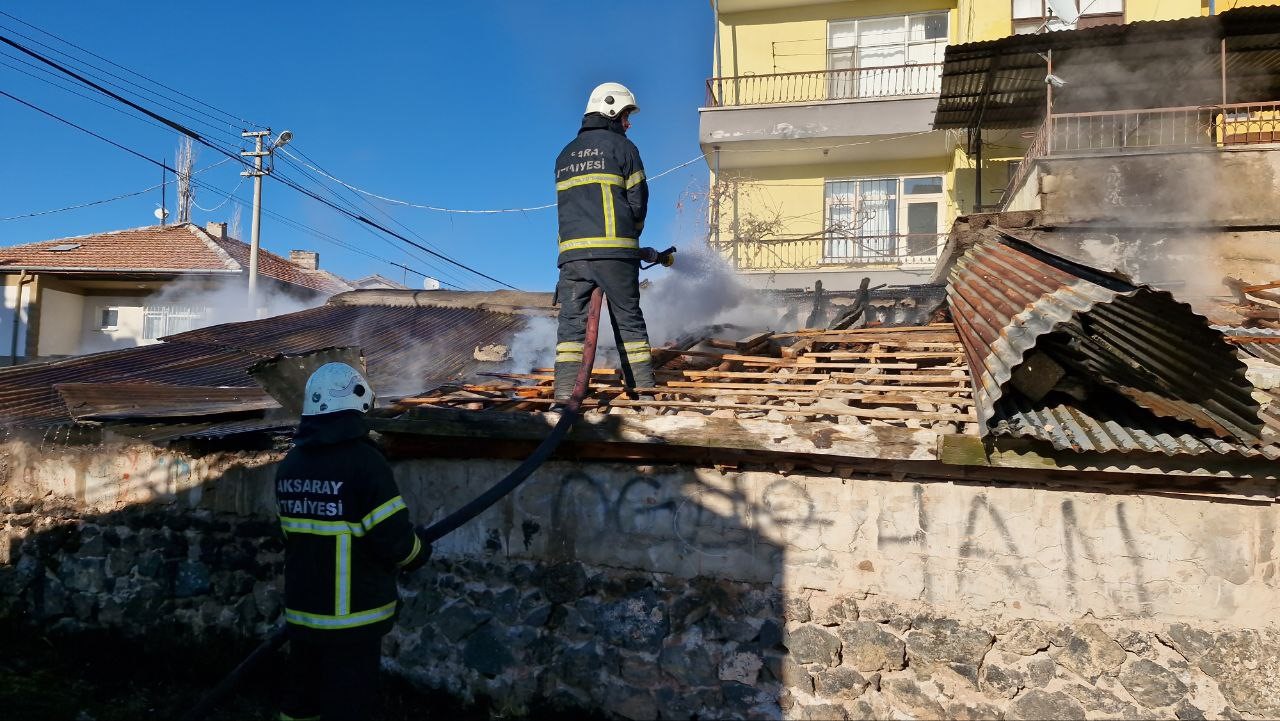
672, 591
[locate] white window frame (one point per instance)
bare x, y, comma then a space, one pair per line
901, 246
171, 319
1025, 24
102, 311
893, 80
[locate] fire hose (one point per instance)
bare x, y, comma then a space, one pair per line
568, 416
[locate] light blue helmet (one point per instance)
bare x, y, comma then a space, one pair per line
337, 387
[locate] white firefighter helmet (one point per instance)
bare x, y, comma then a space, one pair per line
336, 387
611, 99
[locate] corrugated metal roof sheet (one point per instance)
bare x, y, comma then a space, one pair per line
1116, 428
154, 400
1009, 299
407, 349
1167, 63
1269, 352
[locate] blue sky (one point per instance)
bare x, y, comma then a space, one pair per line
459, 105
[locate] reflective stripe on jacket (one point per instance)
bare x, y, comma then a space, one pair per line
347, 530
601, 193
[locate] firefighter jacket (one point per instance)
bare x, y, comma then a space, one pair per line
601, 193
347, 530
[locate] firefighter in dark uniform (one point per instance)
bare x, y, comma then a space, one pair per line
602, 197
347, 534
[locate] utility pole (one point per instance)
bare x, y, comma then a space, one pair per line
258, 153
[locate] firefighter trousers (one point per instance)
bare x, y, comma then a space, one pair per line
620, 281
335, 681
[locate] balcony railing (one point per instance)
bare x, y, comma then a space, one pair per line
1191, 128
828, 250
821, 85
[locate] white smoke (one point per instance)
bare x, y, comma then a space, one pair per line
185, 305
698, 292
534, 346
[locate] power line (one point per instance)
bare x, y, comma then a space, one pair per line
194, 182
130, 70
322, 235
200, 139
438, 270
107, 200
459, 211
183, 109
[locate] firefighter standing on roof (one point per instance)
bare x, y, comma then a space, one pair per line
347, 534
602, 198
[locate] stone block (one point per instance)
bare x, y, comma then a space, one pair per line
457, 620
866, 646
973, 711
191, 579
742, 667
1246, 665
946, 643
1151, 684
487, 652
1099, 700
1037, 705
631, 704
824, 712
916, 700
1089, 652
689, 661
85, 575
638, 622
563, 582
841, 682
811, 644
268, 599
1026, 638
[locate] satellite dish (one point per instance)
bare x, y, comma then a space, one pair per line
161, 213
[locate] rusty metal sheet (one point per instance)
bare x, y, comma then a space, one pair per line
408, 349
1149, 351
1112, 430
153, 400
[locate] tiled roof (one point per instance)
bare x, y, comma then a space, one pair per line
273, 266
153, 248
184, 248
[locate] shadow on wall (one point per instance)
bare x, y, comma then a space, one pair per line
674, 591
150, 543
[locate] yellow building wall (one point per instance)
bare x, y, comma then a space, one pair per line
790, 40
794, 39
792, 198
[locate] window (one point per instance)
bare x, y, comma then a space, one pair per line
159, 321
886, 220
886, 56
108, 318
1029, 16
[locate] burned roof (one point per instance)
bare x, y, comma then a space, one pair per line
407, 349
161, 250
1090, 362
1167, 63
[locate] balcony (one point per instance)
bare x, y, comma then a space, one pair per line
1151, 131
828, 250
897, 81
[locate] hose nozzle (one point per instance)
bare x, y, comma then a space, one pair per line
665, 258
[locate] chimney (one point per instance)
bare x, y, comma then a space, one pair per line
217, 230
308, 259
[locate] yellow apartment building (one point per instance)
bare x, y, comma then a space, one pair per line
818, 129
